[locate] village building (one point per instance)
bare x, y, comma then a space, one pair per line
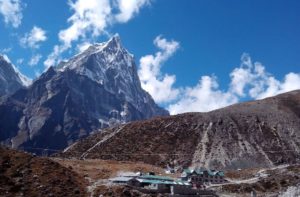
199, 177
149, 183
153, 183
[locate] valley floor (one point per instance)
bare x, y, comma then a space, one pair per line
281, 181
98, 172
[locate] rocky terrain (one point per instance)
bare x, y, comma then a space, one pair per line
265, 182
93, 90
22, 174
261, 133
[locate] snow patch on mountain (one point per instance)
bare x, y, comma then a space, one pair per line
108, 64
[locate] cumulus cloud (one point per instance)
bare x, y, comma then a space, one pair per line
205, 96
249, 80
35, 60
89, 16
252, 79
158, 85
90, 19
12, 12
34, 38
128, 8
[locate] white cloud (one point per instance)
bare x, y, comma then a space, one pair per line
249, 80
6, 50
252, 80
128, 8
158, 85
35, 60
54, 57
273, 86
90, 19
205, 96
12, 12
34, 38
37, 73
241, 76
83, 46
20, 61
89, 16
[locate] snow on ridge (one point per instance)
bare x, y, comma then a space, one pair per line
96, 48
25, 81
5, 58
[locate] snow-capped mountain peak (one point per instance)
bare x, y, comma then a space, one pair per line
106, 52
110, 65
102, 62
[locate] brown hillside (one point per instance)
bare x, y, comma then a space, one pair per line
22, 174
252, 134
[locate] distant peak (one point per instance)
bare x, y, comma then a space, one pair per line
114, 41
25, 81
108, 51
116, 37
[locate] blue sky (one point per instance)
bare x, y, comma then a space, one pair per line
200, 44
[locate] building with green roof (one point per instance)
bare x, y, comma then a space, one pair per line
199, 177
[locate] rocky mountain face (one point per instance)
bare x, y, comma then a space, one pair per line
93, 90
10, 78
261, 133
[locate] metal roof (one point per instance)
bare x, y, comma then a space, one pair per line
151, 179
163, 182
177, 182
155, 181
155, 177
120, 179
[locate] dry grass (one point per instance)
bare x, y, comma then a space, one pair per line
104, 169
242, 174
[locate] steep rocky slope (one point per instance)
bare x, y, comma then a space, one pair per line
10, 78
21, 174
95, 89
252, 134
